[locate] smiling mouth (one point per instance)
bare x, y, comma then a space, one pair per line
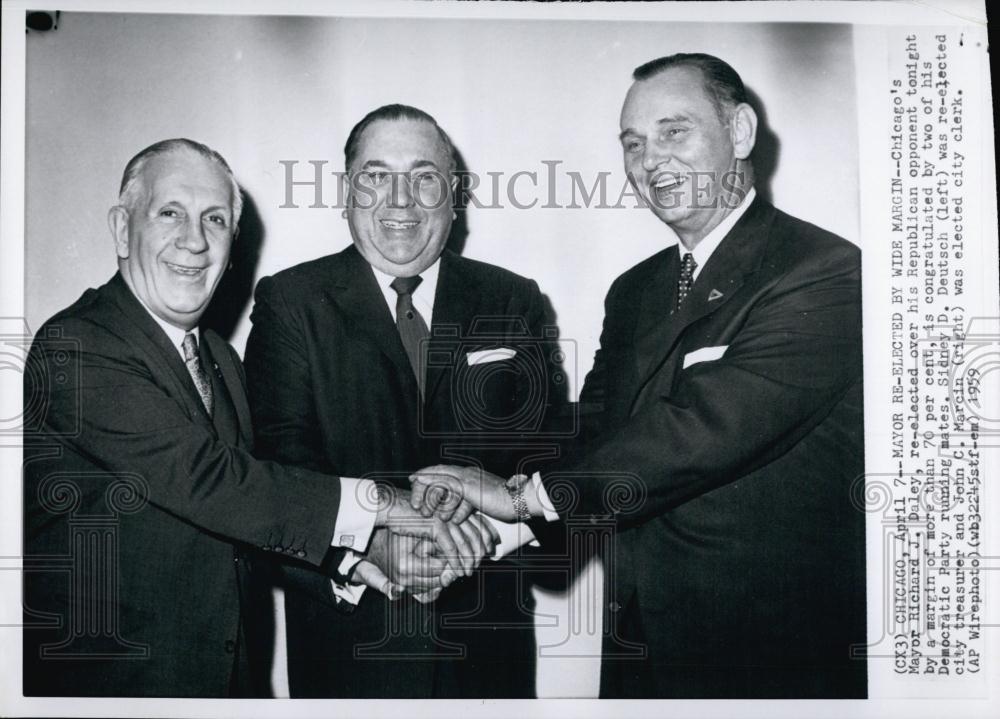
668, 181
399, 224
185, 271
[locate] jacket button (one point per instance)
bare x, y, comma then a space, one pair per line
614, 606
230, 646
300, 553
278, 548
266, 547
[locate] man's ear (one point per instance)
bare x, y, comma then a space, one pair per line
118, 224
743, 130
454, 197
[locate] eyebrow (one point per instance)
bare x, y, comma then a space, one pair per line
675, 118
415, 164
662, 121
180, 203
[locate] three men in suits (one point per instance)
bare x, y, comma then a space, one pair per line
728, 382
143, 503
387, 356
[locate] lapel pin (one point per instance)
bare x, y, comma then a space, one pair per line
714, 295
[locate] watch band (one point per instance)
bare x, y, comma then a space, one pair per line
515, 488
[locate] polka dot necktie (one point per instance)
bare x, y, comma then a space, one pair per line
686, 279
201, 379
410, 323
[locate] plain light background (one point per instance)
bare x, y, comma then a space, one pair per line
511, 94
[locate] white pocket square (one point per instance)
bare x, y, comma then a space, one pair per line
491, 355
705, 354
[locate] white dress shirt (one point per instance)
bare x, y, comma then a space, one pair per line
512, 535
423, 301
702, 253
423, 296
175, 334
708, 244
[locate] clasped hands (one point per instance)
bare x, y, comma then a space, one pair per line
420, 552
448, 492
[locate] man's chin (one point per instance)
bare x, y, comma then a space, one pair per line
405, 266
670, 215
186, 313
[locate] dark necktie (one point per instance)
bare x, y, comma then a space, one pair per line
202, 382
411, 325
684, 282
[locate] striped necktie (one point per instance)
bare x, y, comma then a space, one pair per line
202, 382
410, 323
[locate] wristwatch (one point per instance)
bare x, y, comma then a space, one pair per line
515, 488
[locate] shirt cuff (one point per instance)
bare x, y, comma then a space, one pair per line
513, 536
428, 596
348, 592
543, 498
355, 516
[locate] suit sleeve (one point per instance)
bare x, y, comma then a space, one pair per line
591, 405
116, 413
796, 355
554, 414
557, 414
286, 427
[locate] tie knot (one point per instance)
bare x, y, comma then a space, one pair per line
688, 265
190, 347
406, 285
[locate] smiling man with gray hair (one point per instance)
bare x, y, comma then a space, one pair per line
143, 503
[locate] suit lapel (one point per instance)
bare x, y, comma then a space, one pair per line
357, 295
231, 375
737, 256
144, 331
656, 301
455, 306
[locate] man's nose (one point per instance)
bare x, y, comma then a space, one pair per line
400, 193
192, 237
653, 155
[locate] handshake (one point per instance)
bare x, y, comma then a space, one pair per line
440, 530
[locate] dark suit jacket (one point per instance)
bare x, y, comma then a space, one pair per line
135, 504
331, 389
741, 561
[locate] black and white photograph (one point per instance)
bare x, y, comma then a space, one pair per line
493, 351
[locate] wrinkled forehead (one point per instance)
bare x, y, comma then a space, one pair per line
674, 93
185, 175
400, 144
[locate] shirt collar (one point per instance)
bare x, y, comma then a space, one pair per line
174, 334
704, 249
423, 296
